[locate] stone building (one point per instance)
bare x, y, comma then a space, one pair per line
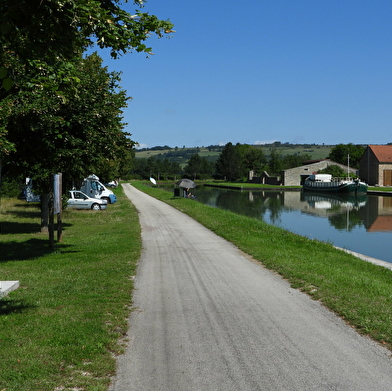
296, 176
375, 166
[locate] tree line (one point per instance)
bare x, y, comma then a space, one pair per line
236, 161
233, 164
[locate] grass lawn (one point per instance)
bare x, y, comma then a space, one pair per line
373, 188
64, 325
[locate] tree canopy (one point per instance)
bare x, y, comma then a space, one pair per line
40, 33
70, 133
199, 167
348, 154
229, 163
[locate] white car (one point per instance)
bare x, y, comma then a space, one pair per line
79, 200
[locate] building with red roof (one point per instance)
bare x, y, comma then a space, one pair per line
375, 166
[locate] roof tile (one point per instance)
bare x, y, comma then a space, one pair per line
383, 153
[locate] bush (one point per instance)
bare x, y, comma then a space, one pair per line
10, 188
336, 172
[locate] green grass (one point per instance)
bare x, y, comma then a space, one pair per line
373, 188
65, 323
358, 291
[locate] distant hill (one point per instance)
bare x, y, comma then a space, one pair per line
182, 155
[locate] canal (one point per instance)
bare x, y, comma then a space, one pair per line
357, 223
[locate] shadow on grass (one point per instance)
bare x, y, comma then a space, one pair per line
26, 210
7, 228
10, 306
32, 248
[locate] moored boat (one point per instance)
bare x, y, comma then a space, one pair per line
325, 183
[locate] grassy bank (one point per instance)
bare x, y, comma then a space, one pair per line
62, 328
358, 291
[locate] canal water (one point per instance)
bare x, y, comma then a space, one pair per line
360, 223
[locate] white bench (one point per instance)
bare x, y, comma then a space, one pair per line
7, 287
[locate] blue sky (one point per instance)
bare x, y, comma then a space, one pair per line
298, 71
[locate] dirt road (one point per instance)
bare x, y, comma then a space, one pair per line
208, 318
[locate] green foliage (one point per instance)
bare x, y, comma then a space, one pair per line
10, 188
73, 131
199, 167
347, 154
42, 40
229, 164
295, 160
335, 171
276, 162
55, 30
252, 159
235, 162
160, 169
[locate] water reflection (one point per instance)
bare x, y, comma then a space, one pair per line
341, 210
356, 222
378, 214
249, 203
344, 212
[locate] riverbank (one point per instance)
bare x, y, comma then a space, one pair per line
380, 192
356, 290
254, 187
246, 186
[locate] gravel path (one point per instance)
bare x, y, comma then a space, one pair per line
208, 318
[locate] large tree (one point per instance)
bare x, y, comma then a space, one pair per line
199, 167
275, 161
229, 163
348, 154
54, 115
253, 158
71, 132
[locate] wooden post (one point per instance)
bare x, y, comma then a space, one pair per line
60, 214
51, 215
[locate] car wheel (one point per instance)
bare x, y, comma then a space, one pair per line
95, 207
107, 199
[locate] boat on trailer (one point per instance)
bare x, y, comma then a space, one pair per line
326, 183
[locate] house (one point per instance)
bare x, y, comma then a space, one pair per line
375, 166
296, 176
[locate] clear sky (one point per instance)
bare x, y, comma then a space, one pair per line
256, 71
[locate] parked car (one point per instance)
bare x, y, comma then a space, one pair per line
79, 200
112, 184
94, 188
